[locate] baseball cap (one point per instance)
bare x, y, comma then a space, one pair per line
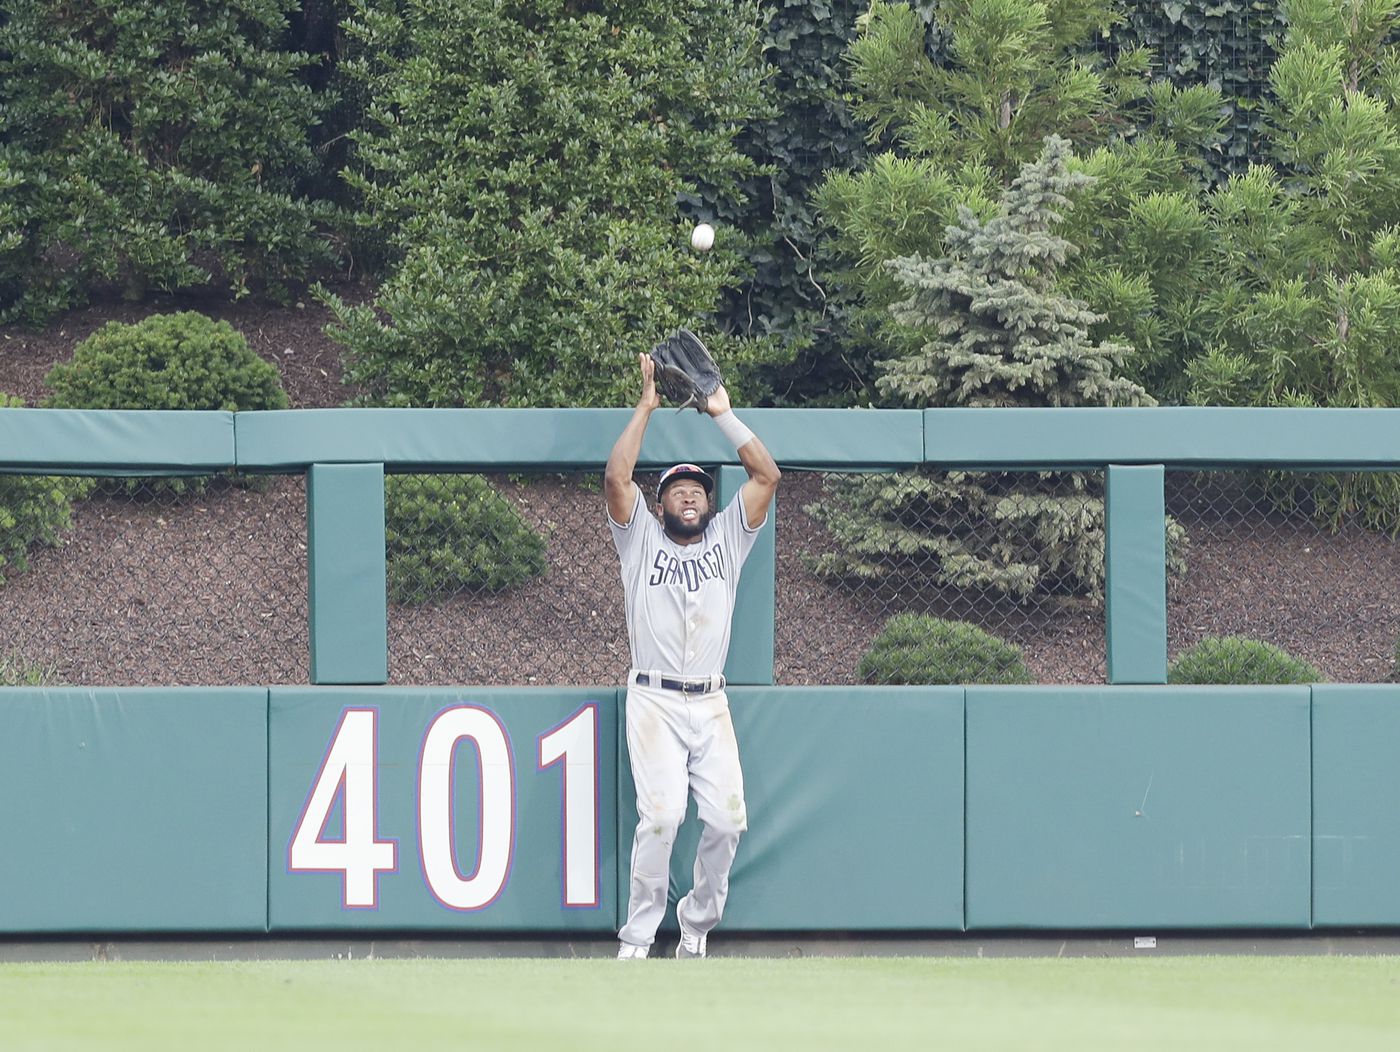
685, 471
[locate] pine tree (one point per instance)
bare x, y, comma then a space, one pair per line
958, 108
994, 331
1306, 250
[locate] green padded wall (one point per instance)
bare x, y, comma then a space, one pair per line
1142, 807
122, 440
855, 801
1135, 563
1179, 436
1356, 805
133, 810
346, 574
303, 722
556, 439
751, 637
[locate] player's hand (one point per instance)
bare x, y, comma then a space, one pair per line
650, 399
717, 404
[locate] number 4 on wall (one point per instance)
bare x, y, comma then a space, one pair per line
348, 776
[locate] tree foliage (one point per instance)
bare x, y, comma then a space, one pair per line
1226, 45
790, 294
449, 533
1236, 660
1304, 251
152, 146
963, 106
989, 328
524, 161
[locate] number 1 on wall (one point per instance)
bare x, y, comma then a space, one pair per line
575, 741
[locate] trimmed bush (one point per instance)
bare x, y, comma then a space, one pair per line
1235, 659
168, 361
445, 533
918, 648
527, 167
153, 146
33, 510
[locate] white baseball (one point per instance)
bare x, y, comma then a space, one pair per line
702, 237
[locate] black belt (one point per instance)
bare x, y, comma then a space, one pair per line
685, 686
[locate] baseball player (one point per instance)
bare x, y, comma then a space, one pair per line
680, 571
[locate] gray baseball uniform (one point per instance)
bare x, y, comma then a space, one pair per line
680, 602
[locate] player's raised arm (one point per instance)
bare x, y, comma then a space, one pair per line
753, 454
621, 491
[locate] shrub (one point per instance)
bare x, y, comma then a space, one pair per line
153, 146
168, 361
33, 510
1235, 659
917, 648
450, 532
525, 164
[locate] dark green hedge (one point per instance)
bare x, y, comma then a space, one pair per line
153, 147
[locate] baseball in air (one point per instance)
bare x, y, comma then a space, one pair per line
702, 237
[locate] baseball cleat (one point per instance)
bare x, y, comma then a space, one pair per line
627, 952
692, 944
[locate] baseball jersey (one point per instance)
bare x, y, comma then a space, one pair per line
680, 597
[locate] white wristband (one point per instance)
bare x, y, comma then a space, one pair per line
733, 428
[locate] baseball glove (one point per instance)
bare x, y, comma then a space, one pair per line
685, 372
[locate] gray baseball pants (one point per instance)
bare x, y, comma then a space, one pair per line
679, 744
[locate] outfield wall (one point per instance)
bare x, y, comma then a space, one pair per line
872, 809
347, 805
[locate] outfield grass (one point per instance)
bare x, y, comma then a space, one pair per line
865, 1004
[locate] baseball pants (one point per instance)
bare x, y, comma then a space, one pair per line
679, 744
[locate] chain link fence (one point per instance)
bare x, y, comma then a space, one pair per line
508, 580
958, 578
513, 580
1284, 588
191, 582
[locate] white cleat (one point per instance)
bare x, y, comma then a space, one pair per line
627, 952
692, 944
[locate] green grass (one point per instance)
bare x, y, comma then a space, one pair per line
866, 1004
16, 672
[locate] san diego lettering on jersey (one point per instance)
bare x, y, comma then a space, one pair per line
668, 570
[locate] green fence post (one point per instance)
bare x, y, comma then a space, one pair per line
751, 640
1135, 570
346, 579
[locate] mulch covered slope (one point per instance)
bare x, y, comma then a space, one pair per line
210, 587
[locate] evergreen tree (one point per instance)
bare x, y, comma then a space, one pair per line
525, 161
958, 108
1305, 309
993, 331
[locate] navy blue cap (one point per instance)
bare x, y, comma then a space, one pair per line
685, 471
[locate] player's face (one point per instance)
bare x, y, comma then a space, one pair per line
685, 509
